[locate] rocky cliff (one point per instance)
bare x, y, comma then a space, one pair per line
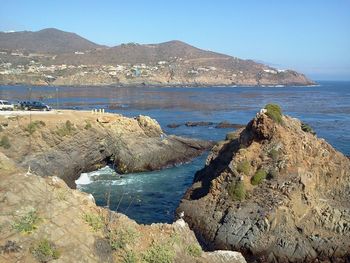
42, 220
67, 143
275, 192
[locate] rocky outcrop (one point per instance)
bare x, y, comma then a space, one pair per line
220, 125
275, 193
67, 143
42, 220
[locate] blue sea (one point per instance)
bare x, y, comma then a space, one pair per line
153, 196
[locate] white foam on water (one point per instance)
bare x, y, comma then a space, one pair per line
88, 178
84, 179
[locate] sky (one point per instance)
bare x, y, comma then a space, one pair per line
310, 36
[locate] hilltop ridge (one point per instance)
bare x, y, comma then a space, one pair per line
54, 57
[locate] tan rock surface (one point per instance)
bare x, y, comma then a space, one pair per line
300, 213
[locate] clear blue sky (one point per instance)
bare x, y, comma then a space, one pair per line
312, 36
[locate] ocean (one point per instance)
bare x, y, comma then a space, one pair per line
153, 196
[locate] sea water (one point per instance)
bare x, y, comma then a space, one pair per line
153, 196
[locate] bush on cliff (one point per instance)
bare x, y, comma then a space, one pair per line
95, 221
32, 127
274, 155
27, 223
258, 177
45, 251
244, 167
120, 238
194, 250
237, 191
66, 129
307, 128
274, 111
5, 142
159, 253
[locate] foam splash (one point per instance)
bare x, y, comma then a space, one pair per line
88, 178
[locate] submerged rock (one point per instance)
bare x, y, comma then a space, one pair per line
275, 192
198, 123
226, 125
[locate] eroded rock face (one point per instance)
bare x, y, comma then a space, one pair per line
299, 213
43, 210
67, 143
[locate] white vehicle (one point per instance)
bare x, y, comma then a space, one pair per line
5, 105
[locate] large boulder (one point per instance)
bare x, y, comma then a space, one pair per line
274, 192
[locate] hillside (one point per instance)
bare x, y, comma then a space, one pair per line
48, 40
54, 57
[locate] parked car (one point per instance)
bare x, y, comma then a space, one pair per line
5, 105
34, 105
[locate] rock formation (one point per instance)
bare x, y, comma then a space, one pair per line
43, 220
67, 143
275, 192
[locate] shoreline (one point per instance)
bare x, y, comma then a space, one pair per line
164, 86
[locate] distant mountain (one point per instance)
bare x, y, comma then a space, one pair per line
168, 63
48, 40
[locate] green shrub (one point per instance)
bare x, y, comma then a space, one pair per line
274, 154
66, 129
88, 126
5, 142
95, 221
158, 253
274, 112
307, 128
45, 251
1, 128
130, 257
27, 223
231, 136
194, 250
258, 177
244, 167
32, 127
237, 191
119, 239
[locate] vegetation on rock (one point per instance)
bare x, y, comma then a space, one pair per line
45, 251
194, 250
5, 142
244, 167
130, 257
95, 221
274, 111
159, 253
120, 238
258, 177
33, 126
66, 129
274, 154
27, 223
307, 128
237, 191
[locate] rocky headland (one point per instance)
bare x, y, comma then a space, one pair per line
275, 192
44, 220
67, 143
